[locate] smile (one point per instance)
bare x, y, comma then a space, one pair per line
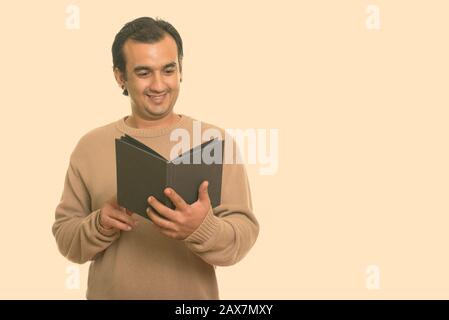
157, 98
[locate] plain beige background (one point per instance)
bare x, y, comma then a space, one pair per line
362, 119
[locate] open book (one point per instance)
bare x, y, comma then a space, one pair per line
142, 172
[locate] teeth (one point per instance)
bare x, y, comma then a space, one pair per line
157, 98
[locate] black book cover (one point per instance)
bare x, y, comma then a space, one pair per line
142, 172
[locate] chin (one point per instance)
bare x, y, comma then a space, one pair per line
157, 111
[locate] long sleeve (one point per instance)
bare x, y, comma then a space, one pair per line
143, 263
229, 230
78, 234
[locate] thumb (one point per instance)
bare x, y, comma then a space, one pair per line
203, 192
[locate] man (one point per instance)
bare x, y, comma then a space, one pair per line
174, 255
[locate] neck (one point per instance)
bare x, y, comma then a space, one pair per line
140, 123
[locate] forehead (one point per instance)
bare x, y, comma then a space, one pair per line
152, 54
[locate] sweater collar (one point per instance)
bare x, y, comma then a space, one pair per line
151, 132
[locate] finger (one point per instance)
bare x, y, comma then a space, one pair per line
159, 221
163, 210
167, 232
123, 217
114, 202
117, 224
177, 200
203, 194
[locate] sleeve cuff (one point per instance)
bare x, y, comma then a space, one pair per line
101, 229
207, 229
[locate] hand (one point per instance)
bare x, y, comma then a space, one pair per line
112, 216
184, 219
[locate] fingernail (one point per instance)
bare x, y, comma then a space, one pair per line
128, 228
168, 191
150, 198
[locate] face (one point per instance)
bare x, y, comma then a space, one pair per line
153, 77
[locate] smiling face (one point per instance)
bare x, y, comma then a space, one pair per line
153, 77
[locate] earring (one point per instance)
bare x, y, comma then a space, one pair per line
125, 92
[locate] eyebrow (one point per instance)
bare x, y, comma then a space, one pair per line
148, 68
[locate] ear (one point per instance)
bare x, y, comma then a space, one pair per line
180, 71
119, 77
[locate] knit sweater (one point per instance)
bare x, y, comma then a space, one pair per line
143, 263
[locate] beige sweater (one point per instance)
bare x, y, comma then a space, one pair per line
143, 263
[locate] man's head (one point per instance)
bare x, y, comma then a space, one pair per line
147, 62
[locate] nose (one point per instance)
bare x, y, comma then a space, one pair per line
157, 84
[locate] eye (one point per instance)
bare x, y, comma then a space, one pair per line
170, 71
